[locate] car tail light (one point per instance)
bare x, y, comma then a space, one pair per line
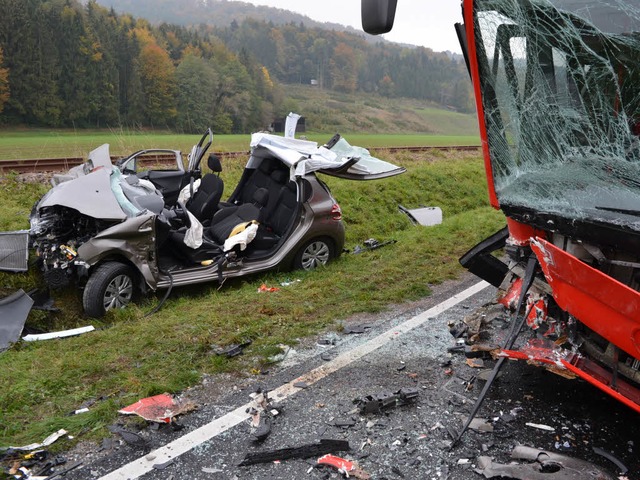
336, 212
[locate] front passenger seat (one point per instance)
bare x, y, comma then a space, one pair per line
204, 202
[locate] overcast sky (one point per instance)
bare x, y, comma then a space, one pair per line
418, 22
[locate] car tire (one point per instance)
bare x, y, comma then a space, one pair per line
111, 285
314, 253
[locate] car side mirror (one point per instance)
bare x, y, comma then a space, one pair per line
378, 15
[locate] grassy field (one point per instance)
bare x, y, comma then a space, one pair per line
365, 120
131, 356
17, 144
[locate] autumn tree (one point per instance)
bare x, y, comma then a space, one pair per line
157, 75
4, 82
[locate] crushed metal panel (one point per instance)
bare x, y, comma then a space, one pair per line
14, 251
14, 310
425, 216
546, 466
592, 296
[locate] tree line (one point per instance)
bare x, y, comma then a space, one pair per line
65, 64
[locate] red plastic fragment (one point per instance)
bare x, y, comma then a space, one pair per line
510, 299
341, 464
263, 288
160, 408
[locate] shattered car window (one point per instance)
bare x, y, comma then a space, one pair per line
562, 108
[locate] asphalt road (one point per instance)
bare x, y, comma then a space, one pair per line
404, 348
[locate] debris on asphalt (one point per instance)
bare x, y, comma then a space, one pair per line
232, 350
162, 466
159, 408
45, 443
357, 329
14, 310
622, 468
62, 473
372, 244
305, 451
260, 425
346, 467
130, 438
540, 426
301, 385
264, 289
381, 401
60, 334
481, 425
547, 465
425, 216
262, 414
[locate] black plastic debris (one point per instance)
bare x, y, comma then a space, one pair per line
14, 311
355, 329
381, 401
42, 300
306, 451
162, 466
344, 422
62, 473
130, 438
232, 350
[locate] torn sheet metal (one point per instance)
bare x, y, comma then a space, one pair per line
546, 466
14, 311
14, 251
45, 443
425, 216
61, 334
159, 408
591, 296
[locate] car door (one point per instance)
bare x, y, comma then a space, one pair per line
359, 163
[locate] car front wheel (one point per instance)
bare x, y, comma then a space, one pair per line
314, 253
110, 286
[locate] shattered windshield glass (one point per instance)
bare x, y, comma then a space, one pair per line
560, 83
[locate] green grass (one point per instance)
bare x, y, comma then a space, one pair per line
132, 356
15, 145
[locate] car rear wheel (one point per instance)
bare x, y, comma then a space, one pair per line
314, 253
111, 286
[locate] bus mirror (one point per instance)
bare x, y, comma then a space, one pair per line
378, 15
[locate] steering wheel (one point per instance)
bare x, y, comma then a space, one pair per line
181, 213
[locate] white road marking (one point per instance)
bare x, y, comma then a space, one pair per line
142, 465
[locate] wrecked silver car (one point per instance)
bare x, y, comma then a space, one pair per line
116, 230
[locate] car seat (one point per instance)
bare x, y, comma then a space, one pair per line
205, 202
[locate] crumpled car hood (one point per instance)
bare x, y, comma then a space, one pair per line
89, 194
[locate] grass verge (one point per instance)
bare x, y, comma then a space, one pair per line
132, 356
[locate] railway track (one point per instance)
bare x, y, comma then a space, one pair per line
44, 165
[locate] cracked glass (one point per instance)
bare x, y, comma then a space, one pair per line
560, 83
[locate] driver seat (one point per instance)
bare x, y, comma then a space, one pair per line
205, 202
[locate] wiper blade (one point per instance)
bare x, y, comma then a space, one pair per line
625, 211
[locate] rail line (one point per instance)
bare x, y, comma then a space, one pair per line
44, 165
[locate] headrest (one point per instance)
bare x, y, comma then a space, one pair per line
214, 163
261, 196
266, 166
280, 176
